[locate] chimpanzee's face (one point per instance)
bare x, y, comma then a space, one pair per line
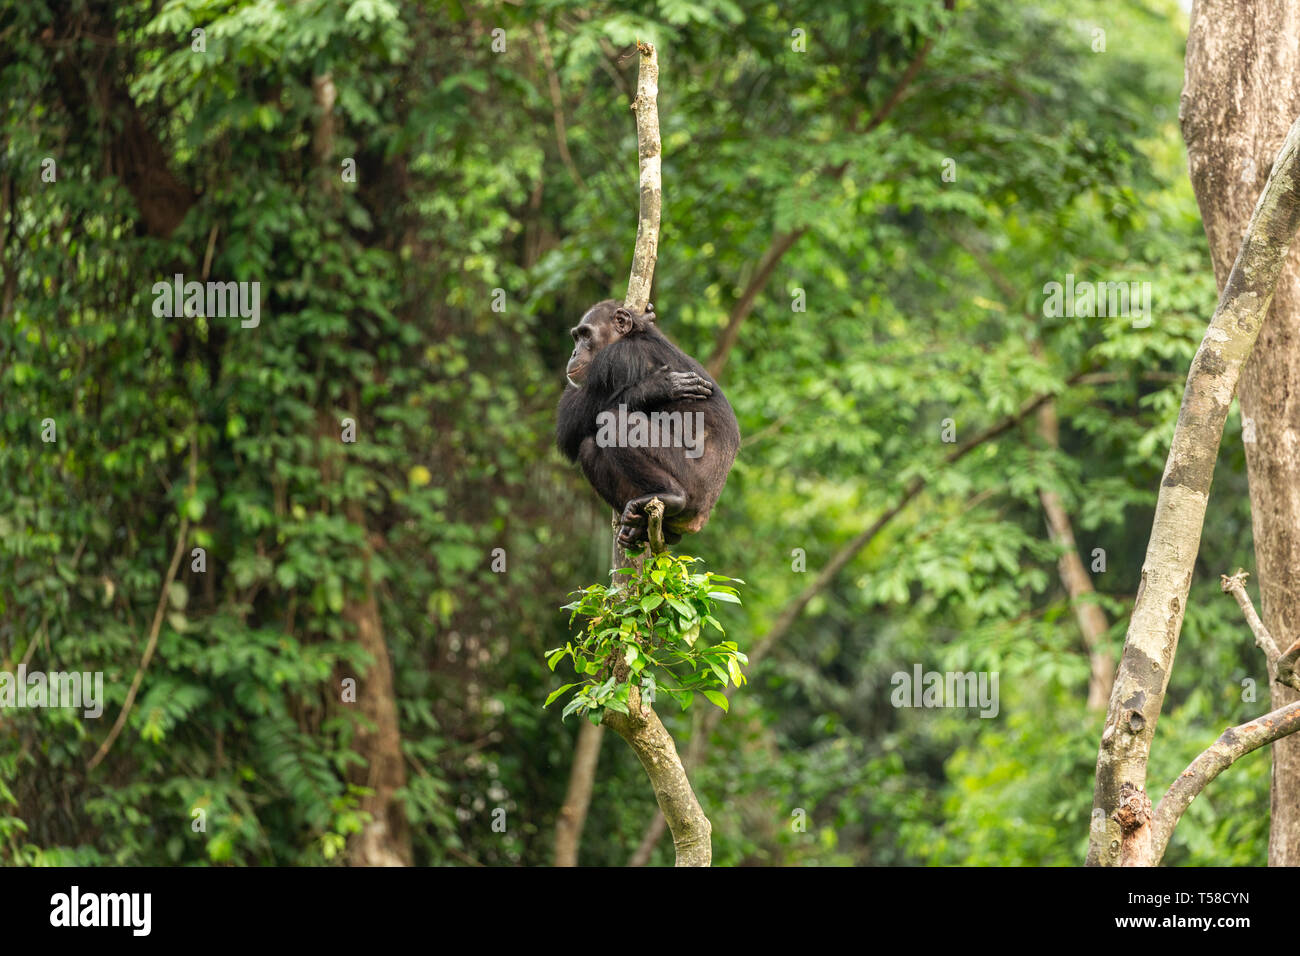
598, 328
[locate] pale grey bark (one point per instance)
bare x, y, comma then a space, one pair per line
1180, 514
646, 251
1242, 92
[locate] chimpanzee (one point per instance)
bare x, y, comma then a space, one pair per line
623, 365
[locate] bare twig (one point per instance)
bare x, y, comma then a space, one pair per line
654, 511
1236, 586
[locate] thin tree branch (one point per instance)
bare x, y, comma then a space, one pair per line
557, 104
905, 81
168, 579
780, 245
783, 241
1236, 586
1233, 744
1075, 578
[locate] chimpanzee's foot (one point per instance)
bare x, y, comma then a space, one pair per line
629, 536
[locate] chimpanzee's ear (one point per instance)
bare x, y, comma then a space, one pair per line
623, 320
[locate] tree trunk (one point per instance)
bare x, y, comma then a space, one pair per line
582, 778
1075, 577
1240, 98
386, 839
654, 746
1120, 826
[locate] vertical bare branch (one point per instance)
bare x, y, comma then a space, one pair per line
646, 252
641, 727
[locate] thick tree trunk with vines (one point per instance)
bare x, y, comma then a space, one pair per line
385, 840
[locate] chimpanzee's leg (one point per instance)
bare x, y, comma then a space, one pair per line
634, 520
628, 478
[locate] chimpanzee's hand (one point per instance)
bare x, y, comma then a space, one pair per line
684, 386
624, 314
629, 537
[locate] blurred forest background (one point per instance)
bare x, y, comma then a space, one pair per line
914, 175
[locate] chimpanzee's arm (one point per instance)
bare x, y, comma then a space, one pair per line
661, 386
575, 420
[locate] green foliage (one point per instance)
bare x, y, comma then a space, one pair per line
651, 629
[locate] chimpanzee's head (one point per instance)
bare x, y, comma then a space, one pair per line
604, 324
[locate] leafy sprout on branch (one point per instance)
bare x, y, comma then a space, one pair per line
653, 627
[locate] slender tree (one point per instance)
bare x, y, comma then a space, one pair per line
1238, 103
1121, 830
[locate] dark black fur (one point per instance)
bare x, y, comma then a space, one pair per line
644, 370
